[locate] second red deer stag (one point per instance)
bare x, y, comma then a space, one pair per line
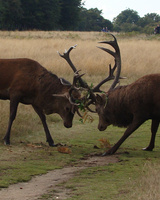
128, 106
26, 81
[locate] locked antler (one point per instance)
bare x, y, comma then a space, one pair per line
111, 76
66, 56
83, 84
117, 65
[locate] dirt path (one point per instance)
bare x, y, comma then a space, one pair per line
40, 185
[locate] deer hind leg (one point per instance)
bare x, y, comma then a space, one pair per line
43, 119
13, 111
154, 128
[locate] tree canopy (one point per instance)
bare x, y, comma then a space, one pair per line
92, 20
39, 14
69, 15
129, 20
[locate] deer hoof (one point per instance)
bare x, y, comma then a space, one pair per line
107, 153
147, 149
53, 145
6, 142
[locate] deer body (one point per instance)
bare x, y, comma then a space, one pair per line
126, 106
26, 81
130, 106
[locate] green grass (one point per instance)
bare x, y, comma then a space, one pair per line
118, 180
30, 155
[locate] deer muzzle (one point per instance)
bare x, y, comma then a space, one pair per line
67, 125
102, 127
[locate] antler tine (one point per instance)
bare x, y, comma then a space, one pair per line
117, 65
65, 55
113, 43
110, 77
77, 77
67, 58
108, 51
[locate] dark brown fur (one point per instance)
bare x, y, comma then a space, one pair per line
130, 106
26, 81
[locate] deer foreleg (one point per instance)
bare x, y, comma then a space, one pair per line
13, 111
131, 128
43, 119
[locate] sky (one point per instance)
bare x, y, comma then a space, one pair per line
112, 8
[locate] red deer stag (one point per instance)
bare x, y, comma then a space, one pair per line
26, 81
128, 106
125, 106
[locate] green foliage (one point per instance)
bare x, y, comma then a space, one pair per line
50, 15
129, 21
10, 14
92, 20
69, 14
126, 21
151, 18
127, 16
41, 14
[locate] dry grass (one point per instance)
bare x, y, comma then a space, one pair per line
148, 186
139, 56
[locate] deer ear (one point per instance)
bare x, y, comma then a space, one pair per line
99, 99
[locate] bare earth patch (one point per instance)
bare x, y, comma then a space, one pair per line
43, 184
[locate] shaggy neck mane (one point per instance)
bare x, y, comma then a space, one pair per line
121, 115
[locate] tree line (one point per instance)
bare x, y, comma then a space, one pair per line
129, 21
39, 14
69, 15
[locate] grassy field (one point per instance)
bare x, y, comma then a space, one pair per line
136, 175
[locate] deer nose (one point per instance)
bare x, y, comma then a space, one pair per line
101, 127
67, 125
